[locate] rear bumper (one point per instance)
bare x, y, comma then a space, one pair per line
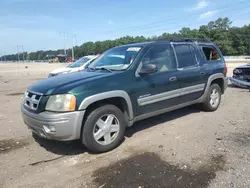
54, 126
239, 83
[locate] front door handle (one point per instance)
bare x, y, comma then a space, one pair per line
171, 79
202, 73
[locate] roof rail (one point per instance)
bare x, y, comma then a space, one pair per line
185, 40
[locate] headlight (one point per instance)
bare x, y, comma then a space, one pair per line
61, 103
23, 98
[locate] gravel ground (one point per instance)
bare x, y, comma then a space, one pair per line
184, 148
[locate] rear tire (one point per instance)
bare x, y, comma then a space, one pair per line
213, 99
104, 129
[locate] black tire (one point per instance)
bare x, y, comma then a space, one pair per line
87, 132
206, 106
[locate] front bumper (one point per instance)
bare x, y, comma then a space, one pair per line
54, 126
239, 83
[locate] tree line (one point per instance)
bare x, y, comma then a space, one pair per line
232, 41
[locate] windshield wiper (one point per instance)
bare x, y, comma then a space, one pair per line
91, 68
104, 68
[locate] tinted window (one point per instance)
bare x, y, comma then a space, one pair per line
161, 56
185, 55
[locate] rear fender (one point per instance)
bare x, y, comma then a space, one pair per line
210, 80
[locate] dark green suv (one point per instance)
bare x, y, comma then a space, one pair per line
123, 85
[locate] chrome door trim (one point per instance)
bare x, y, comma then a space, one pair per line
170, 94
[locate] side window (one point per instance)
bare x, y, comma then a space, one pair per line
210, 53
186, 55
161, 56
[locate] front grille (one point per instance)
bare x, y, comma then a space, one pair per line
243, 71
246, 72
31, 100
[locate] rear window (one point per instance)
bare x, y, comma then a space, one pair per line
210, 53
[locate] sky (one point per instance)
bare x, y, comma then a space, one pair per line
32, 25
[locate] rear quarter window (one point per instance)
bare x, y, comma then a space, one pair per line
210, 53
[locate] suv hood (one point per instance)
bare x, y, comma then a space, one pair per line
52, 85
244, 66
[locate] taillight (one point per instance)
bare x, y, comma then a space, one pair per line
225, 68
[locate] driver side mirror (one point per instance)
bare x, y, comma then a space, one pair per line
148, 69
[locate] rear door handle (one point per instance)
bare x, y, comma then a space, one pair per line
202, 73
171, 79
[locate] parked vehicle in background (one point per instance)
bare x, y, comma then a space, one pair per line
126, 84
78, 65
241, 76
60, 58
70, 60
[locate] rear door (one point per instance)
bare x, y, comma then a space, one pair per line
190, 77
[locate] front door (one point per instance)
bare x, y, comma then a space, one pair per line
158, 90
190, 78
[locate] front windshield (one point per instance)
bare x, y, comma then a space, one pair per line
79, 62
116, 58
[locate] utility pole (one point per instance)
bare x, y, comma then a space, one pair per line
65, 51
23, 53
75, 39
73, 54
18, 59
73, 57
62, 35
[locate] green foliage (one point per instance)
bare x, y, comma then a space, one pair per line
231, 40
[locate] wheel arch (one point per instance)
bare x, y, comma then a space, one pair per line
109, 96
218, 78
213, 79
220, 82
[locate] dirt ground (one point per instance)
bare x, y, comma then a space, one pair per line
184, 148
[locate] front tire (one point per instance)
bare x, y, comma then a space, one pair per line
104, 129
213, 99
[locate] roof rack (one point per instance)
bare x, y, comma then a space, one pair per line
198, 40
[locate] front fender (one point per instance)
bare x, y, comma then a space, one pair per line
106, 95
